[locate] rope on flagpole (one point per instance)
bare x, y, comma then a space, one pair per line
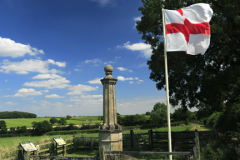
167, 89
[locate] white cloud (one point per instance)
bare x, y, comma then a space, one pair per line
137, 18
6, 80
105, 3
117, 57
24, 92
121, 78
79, 89
93, 61
131, 82
140, 81
121, 69
91, 96
47, 76
136, 78
27, 66
53, 96
60, 82
95, 81
130, 70
143, 47
108, 62
10, 103
9, 48
75, 69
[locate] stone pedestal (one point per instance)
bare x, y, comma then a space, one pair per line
110, 133
111, 140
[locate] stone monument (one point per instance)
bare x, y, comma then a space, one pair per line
110, 133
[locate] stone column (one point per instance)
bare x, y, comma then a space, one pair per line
110, 133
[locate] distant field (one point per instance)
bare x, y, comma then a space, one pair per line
28, 121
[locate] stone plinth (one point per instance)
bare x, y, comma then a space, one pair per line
111, 140
110, 133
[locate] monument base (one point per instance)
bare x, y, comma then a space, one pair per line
111, 140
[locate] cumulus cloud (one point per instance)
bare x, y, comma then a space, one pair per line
121, 69
10, 103
53, 96
60, 82
136, 19
108, 62
79, 89
121, 78
47, 76
27, 66
24, 92
91, 96
145, 49
75, 69
131, 82
104, 3
10, 48
93, 61
95, 81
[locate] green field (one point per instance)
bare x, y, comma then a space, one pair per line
9, 142
28, 121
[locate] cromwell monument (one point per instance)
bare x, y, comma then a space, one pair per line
110, 133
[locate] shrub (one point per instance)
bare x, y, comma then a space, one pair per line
42, 127
212, 120
62, 121
53, 120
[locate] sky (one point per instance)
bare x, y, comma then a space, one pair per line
53, 54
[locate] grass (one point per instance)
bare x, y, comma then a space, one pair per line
10, 142
28, 121
84, 153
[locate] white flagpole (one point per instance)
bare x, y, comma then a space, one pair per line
167, 90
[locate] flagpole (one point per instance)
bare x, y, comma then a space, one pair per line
167, 90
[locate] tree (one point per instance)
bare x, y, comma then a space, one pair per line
212, 78
159, 114
62, 121
68, 117
53, 120
42, 127
2, 124
181, 114
148, 113
211, 81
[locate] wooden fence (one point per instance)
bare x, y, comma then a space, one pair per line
150, 141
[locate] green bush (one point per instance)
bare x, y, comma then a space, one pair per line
213, 119
222, 147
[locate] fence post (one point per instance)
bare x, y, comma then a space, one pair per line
196, 148
91, 143
173, 142
0, 155
150, 137
132, 139
56, 153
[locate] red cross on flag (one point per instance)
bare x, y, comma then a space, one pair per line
188, 29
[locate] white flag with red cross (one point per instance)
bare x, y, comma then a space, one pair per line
188, 29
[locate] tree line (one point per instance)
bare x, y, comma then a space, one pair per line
16, 114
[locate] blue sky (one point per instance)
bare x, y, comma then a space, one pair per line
53, 53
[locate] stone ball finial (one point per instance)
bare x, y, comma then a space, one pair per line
108, 71
108, 68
